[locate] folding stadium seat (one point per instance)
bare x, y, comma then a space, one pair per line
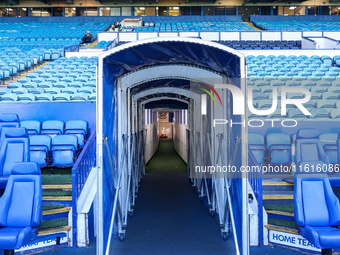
78, 128
20, 91
45, 97
33, 127
310, 104
309, 151
330, 96
317, 211
335, 113
14, 148
29, 85
323, 83
329, 143
76, 84
24, 80
279, 148
27, 97
53, 91
296, 114
36, 91
69, 90
62, 97
79, 97
90, 84
92, 97
45, 84
320, 114
9, 97
64, 150
14, 85
325, 103
60, 84
40, 147
21, 206
52, 128
257, 146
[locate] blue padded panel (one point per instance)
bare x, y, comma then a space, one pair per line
307, 133
53, 125
9, 117
309, 152
32, 126
63, 158
277, 138
8, 237
20, 210
323, 237
255, 138
26, 168
38, 157
280, 154
44, 140
314, 203
14, 153
16, 132
66, 140
77, 125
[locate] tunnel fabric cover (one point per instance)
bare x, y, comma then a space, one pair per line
163, 51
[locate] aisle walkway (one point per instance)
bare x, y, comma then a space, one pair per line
169, 219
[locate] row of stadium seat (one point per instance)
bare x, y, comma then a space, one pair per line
258, 45
102, 44
298, 25
195, 26
71, 29
276, 148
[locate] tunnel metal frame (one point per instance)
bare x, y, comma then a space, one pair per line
245, 234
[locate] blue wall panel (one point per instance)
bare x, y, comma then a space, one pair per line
64, 111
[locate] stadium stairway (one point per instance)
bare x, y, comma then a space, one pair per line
56, 225
23, 74
279, 205
252, 25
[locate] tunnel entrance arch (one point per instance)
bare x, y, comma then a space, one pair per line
116, 93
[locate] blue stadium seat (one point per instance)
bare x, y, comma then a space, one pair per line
40, 147
309, 151
52, 128
64, 150
257, 146
279, 148
33, 127
78, 128
329, 143
9, 120
317, 211
14, 148
20, 206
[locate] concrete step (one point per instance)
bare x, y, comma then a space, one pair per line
277, 185
56, 213
278, 198
49, 231
280, 215
282, 229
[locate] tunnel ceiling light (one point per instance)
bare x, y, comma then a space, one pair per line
292, 7
142, 8
107, 8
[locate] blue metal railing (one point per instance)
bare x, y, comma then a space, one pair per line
255, 179
72, 48
80, 171
112, 44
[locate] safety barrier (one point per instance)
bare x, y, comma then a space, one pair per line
112, 44
126, 181
72, 48
219, 35
80, 171
255, 180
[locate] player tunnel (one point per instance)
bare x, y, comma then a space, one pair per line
136, 82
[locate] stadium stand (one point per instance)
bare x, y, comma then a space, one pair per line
161, 26
265, 45
298, 25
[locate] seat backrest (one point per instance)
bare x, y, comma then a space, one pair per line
66, 140
13, 149
311, 192
41, 140
21, 204
77, 125
328, 138
32, 126
308, 146
53, 125
255, 138
278, 139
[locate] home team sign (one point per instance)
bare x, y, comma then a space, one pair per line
292, 240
